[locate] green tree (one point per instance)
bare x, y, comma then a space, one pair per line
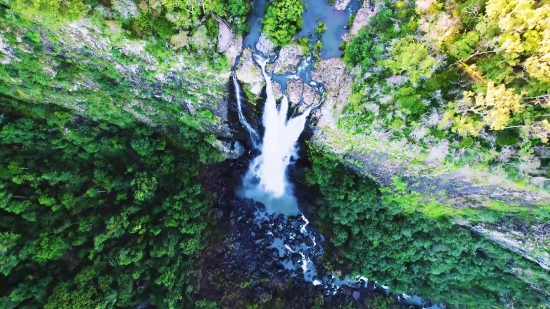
282, 20
411, 57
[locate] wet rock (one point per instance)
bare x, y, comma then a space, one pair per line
341, 5
346, 290
294, 90
310, 95
277, 92
308, 241
300, 93
260, 206
249, 73
229, 149
265, 46
287, 61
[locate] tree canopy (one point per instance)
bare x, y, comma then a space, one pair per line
97, 216
283, 20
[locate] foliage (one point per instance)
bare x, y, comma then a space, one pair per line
407, 55
466, 143
98, 84
282, 20
95, 216
162, 22
411, 253
495, 108
471, 68
53, 12
380, 302
321, 28
360, 51
236, 12
508, 137
317, 47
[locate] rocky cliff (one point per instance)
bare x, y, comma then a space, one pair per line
105, 75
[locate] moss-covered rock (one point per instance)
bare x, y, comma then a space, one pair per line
93, 67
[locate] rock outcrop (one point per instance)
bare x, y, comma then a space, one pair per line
234, 49
361, 20
332, 73
277, 91
225, 34
249, 73
341, 5
265, 46
118, 81
287, 61
382, 160
123, 81
302, 94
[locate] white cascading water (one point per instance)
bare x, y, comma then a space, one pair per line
266, 179
253, 134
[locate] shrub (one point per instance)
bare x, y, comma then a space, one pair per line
283, 20
507, 137
466, 143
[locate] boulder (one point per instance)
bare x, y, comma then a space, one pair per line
341, 5
277, 92
264, 45
287, 61
302, 94
361, 20
294, 90
310, 95
229, 149
249, 73
234, 49
332, 74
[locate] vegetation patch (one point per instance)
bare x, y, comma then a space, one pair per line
466, 86
379, 232
283, 20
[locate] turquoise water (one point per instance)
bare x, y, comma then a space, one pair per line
334, 20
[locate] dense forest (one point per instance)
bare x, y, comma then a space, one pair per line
98, 216
375, 232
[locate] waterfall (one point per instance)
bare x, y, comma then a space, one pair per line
266, 179
253, 134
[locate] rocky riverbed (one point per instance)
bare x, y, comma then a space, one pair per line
270, 258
